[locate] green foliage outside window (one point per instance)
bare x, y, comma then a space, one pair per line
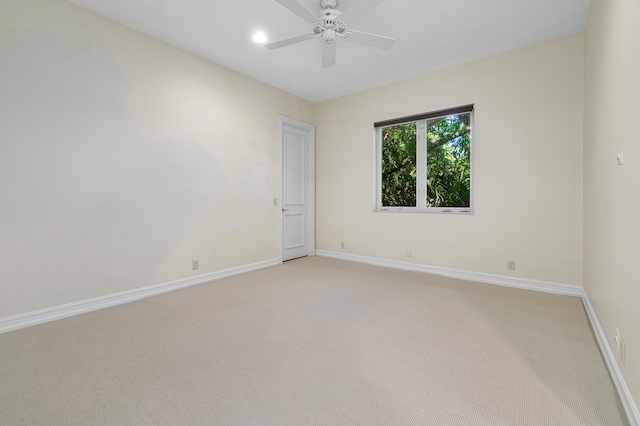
448, 163
399, 167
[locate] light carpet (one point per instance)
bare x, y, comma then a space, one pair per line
315, 341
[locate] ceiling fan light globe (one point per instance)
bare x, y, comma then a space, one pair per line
329, 34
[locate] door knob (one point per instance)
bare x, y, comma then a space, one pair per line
285, 210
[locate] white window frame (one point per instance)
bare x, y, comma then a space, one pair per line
421, 160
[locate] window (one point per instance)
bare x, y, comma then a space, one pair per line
424, 162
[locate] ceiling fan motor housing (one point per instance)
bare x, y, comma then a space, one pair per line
329, 24
329, 14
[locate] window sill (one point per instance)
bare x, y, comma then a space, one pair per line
428, 211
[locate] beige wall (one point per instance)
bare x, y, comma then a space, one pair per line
527, 177
123, 158
611, 195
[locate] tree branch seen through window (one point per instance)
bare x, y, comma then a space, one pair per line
426, 164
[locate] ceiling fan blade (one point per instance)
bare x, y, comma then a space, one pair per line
289, 41
360, 8
372, 40
328, 55
299, 10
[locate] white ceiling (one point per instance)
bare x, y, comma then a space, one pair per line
430, 35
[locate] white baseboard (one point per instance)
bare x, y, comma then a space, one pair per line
547, 287
30, 319
625, 396
535, 285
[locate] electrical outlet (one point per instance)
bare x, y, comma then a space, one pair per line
511, 265
409, 253
275, 202
341, 244
195, 265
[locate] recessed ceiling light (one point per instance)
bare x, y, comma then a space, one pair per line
260, 37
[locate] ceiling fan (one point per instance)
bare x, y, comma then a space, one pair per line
330, 24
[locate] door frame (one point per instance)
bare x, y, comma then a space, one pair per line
311, 183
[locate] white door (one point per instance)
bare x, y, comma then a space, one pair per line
297, 141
